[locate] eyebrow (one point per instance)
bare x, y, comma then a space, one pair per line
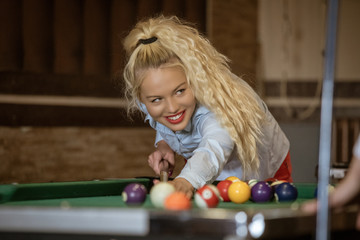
175, 89
179, 86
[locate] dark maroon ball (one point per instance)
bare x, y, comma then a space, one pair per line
134, 194
261, 192
286, 192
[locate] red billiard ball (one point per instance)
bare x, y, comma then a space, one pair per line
207, 196
134, 194
223, 187
261, 192
286, 192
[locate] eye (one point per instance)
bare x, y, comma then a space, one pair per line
180, 91
155, 100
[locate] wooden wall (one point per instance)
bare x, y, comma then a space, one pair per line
61, 114
232, 28
62, 117
77, 36
71, 48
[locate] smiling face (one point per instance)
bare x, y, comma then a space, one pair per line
168, 97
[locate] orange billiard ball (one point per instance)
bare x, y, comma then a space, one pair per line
239, 192
177, 201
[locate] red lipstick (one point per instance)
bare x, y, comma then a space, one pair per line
177, 118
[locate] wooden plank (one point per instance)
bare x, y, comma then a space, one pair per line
38, 36
42, 115
96, 37
195, 11
344, 125
174, 7
356, 129
54, 154
148, 8
235, 34
123, 18
11, 53
68, 36
354, 133
58, 85
334, 148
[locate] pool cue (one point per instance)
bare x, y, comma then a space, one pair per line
322, 219
164, 176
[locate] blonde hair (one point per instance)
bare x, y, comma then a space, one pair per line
233, 101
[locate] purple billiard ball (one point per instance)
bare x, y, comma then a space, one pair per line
261, 192
134, 194
286, 192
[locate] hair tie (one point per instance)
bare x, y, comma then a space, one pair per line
147, 41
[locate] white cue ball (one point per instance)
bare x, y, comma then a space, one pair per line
159, 192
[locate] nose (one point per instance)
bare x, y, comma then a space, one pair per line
172, 105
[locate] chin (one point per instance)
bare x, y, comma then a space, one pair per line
177, 128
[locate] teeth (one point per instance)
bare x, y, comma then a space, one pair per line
176, 117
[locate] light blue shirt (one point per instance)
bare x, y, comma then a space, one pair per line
210, 152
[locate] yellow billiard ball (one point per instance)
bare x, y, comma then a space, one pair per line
233, 179
239, 192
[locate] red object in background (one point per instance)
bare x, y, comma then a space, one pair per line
284, 172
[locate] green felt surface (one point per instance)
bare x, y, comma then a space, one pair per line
107, 193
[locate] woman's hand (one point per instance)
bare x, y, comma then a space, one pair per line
347, 190
182, 185
162, 159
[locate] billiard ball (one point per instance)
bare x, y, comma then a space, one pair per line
331, 188
177, 201
252, 182
286, 192
134, 194
276, 183
223, 187
159, 192
261, 192
239, 192
233, 179
207, 196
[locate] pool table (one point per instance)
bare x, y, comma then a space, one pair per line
95, 210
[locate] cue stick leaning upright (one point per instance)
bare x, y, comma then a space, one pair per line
322, 219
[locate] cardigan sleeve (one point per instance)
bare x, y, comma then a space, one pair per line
211, 154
